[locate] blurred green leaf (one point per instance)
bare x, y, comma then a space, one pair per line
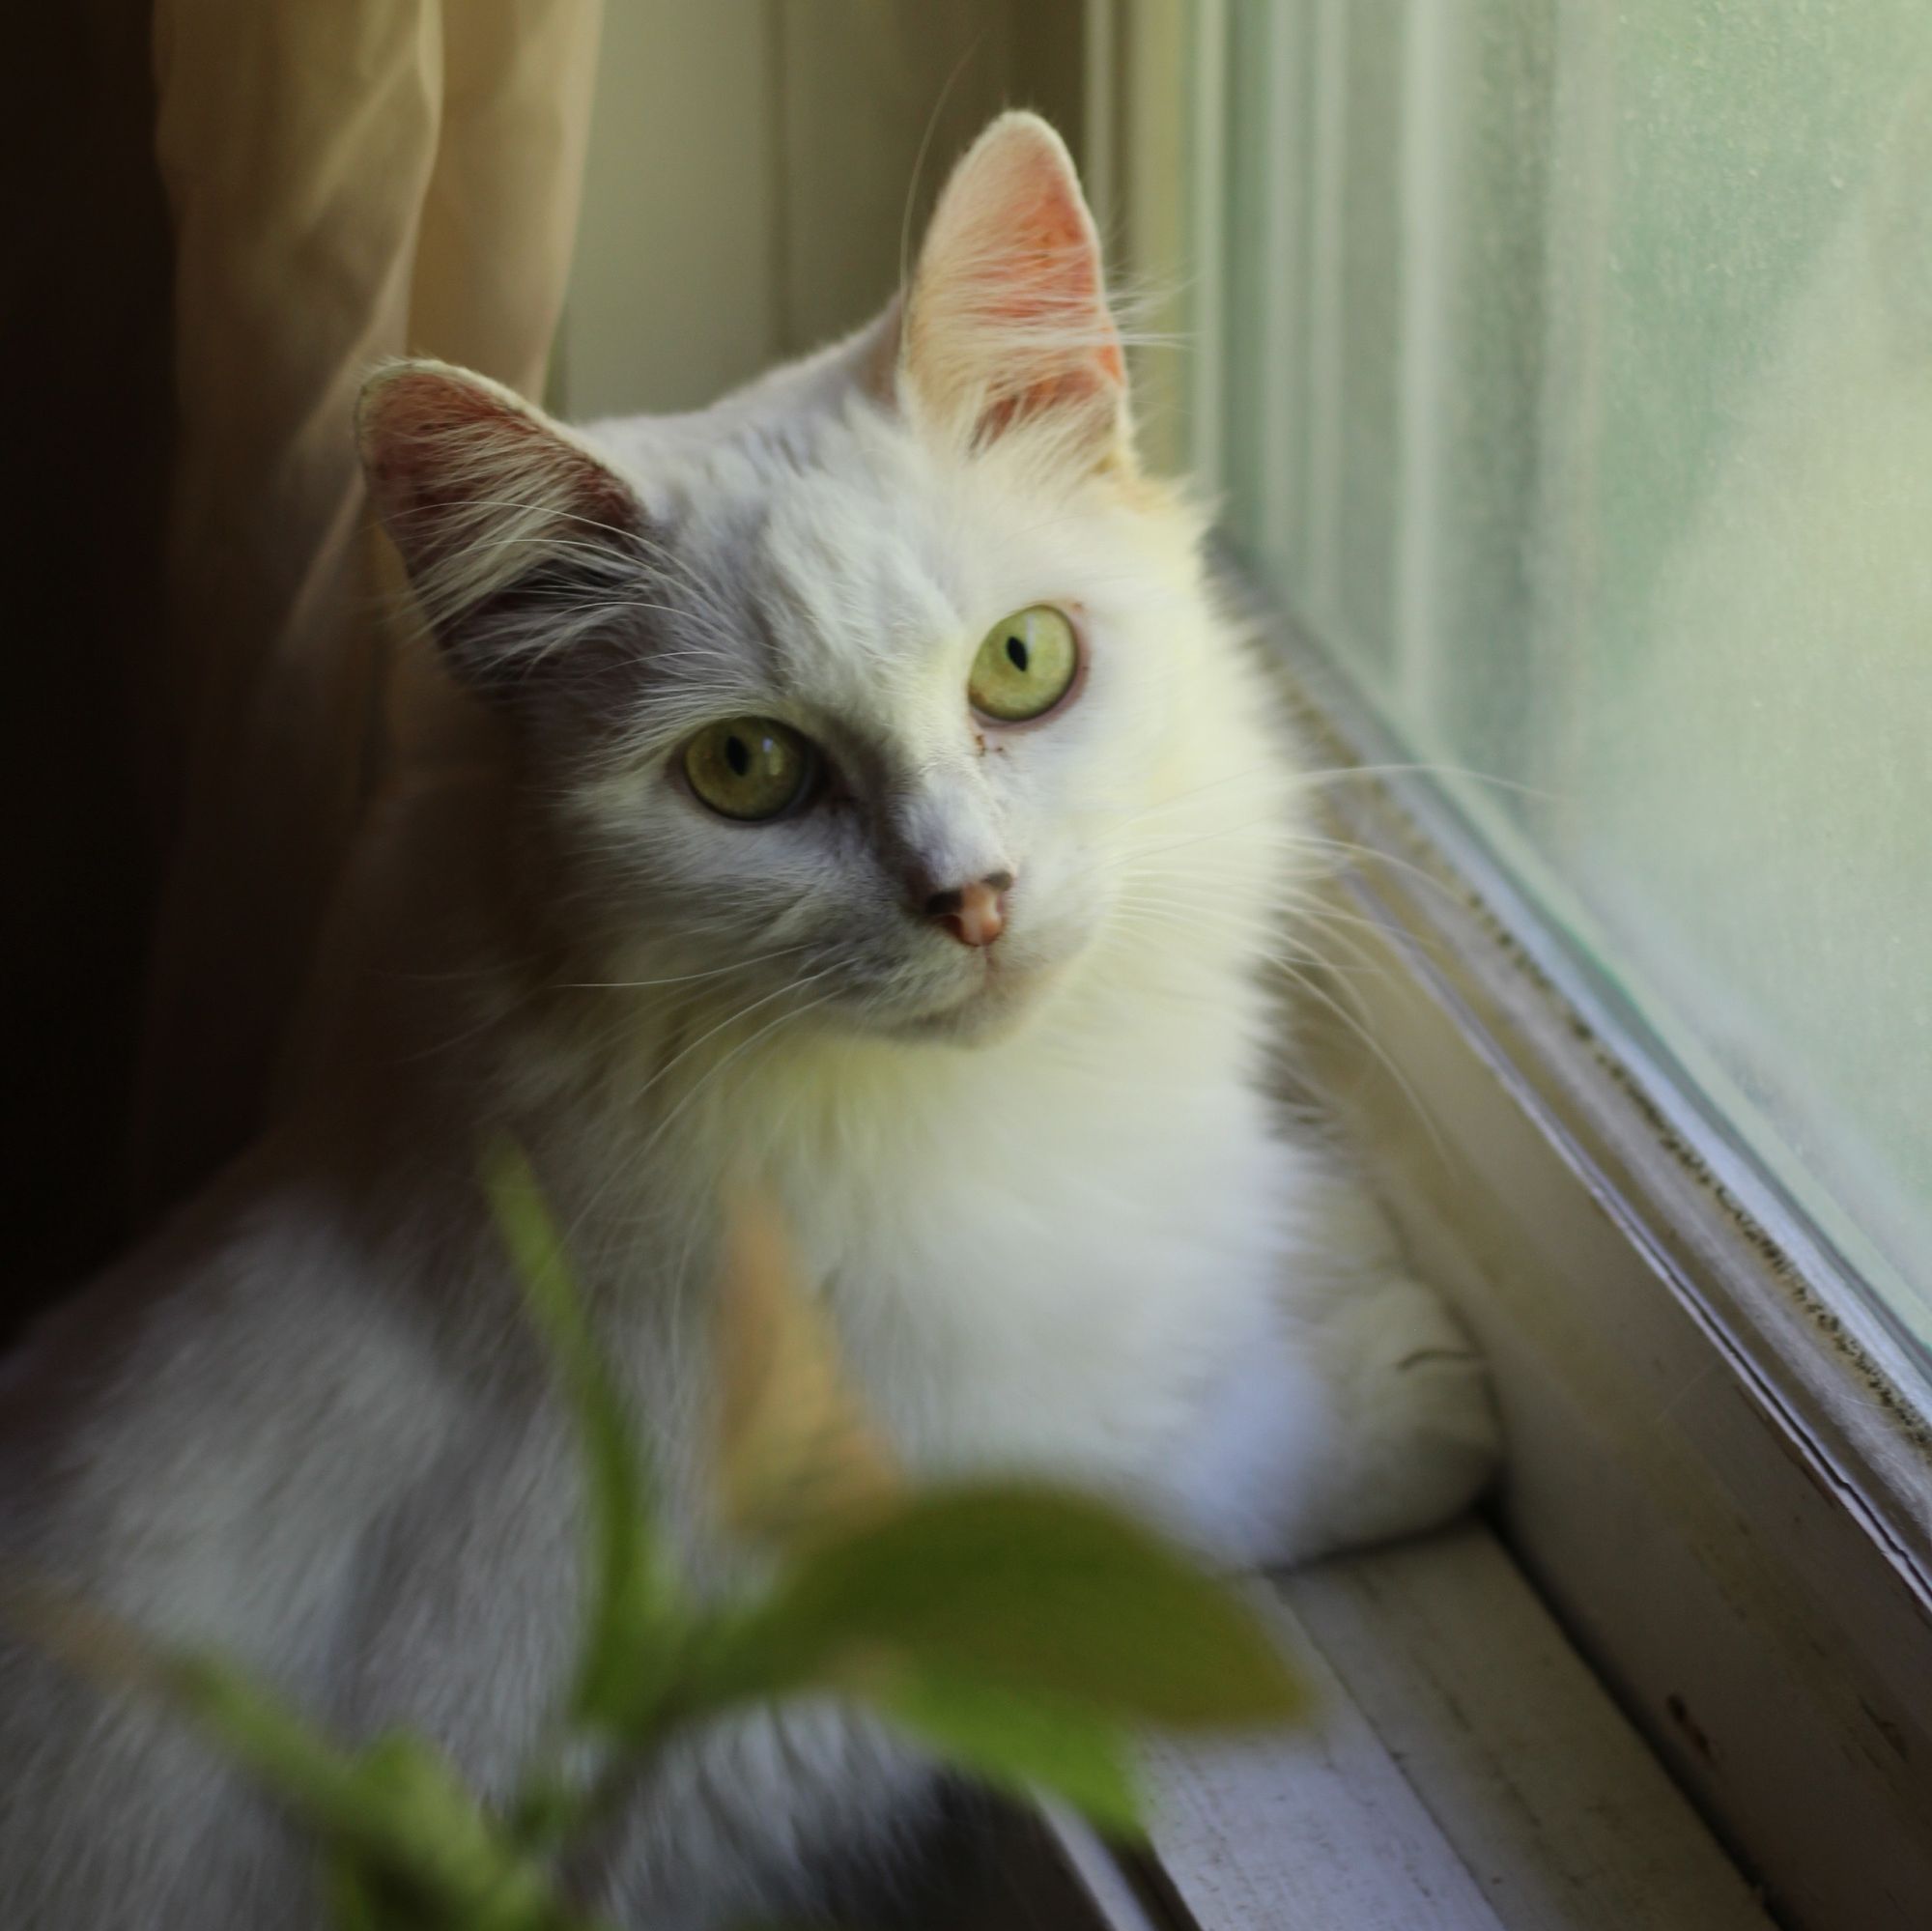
634, 1621
1018, 1589
407, 1844
1024, 1744
279, 1747
404, 1843
443, 1860
550, 1807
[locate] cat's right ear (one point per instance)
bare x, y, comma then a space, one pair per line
517, 536
1006, 327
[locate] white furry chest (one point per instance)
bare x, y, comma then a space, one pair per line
1051, 1286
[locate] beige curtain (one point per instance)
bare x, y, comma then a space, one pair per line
348, 180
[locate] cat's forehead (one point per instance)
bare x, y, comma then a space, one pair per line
834, 559
870, 541
855, 557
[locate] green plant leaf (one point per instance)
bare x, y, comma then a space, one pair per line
407, 1844
280, 1748
439, 1851
634, 1621
1025, 1744
1015, 1588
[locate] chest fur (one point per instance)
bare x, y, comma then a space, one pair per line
1056, 1275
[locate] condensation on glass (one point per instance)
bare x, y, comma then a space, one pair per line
1578, 371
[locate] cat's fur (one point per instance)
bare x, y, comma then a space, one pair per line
1058, 1226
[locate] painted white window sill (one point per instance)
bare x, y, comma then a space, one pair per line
1466, 1771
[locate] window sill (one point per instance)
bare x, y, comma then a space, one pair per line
1466, 1771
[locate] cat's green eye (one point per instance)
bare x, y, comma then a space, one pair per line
1025, 666
749, 768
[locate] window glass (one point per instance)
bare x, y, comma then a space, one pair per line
1594, 436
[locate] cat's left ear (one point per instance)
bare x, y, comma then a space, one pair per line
516, 535
1006, 326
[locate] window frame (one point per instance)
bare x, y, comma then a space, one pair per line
1722, 1467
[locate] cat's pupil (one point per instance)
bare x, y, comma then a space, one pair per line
1016, 650
738, 755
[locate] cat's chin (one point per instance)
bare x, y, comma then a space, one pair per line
994, 1010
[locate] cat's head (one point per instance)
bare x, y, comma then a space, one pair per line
887, 687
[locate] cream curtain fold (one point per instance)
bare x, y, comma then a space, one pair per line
348, 180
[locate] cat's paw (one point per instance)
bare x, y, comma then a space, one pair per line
1419, 1437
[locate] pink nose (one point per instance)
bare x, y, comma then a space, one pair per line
975, 914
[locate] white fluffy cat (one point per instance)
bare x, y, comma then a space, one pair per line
883, 807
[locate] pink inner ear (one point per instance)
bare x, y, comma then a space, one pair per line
435, 441
1051, 272
1009, 316
1051, 393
